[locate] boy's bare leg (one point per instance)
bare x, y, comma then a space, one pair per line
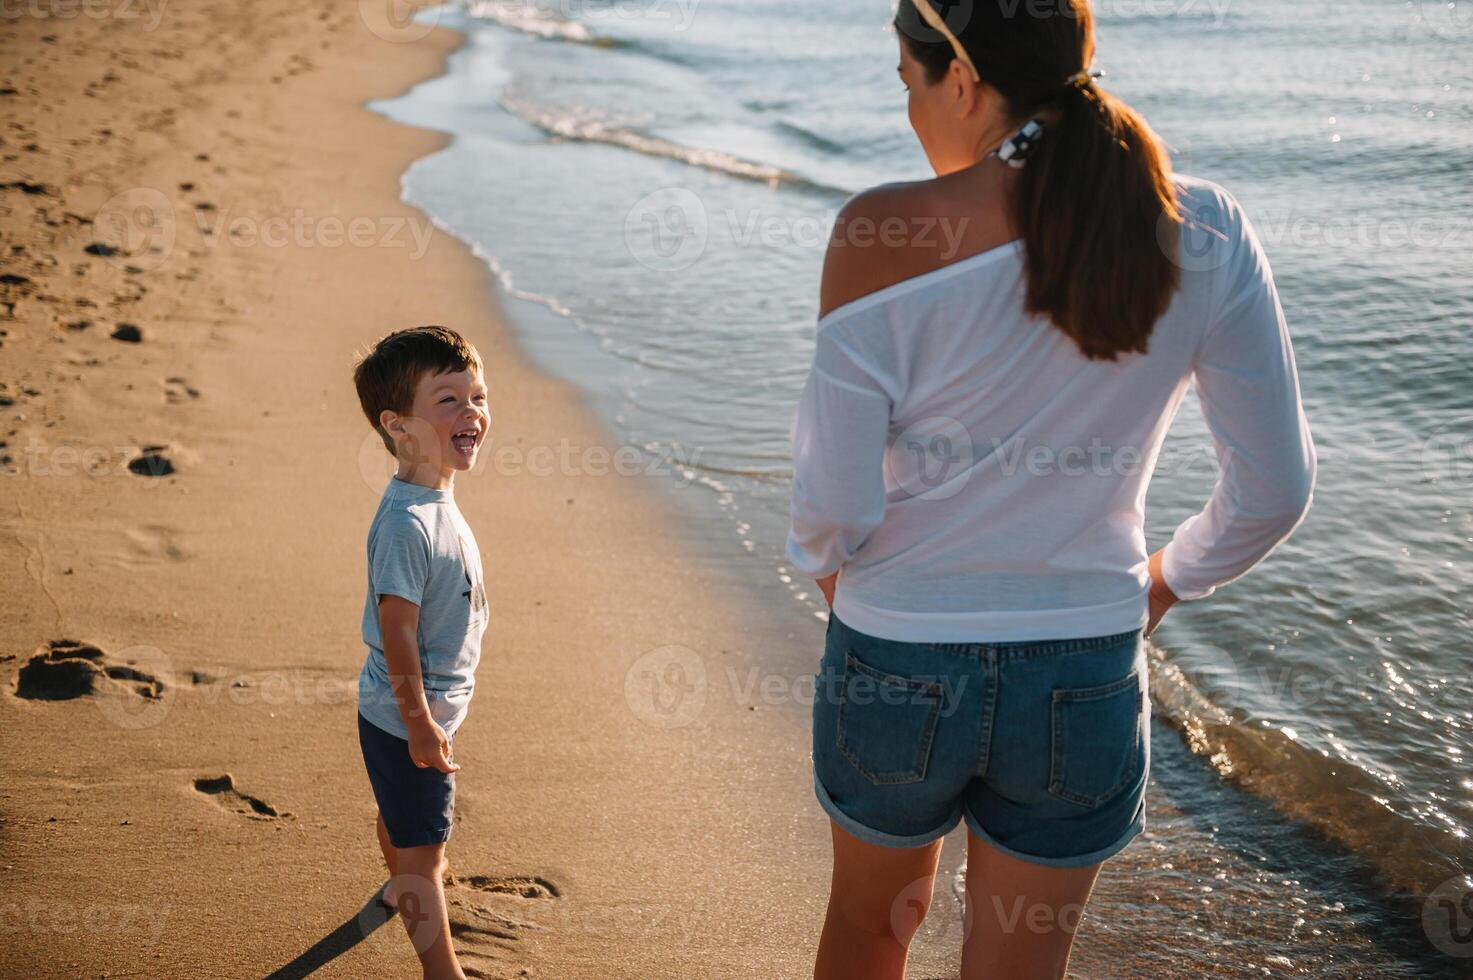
421, 896
391, 858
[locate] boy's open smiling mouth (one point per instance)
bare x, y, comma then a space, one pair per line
465, 440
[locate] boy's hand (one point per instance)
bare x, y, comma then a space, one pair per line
429, 746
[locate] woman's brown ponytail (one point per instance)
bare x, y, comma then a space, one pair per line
1097, 210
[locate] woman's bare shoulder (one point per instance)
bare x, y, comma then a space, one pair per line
897, 231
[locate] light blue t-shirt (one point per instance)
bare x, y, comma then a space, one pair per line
420, 548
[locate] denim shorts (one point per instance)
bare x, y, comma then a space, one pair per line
417, 804
1043, 747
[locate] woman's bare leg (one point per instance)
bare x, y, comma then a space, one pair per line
877, 899
1022, 916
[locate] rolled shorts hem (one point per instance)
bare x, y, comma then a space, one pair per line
420, 838
1074, 861
871, 836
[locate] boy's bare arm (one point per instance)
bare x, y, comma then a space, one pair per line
399, 621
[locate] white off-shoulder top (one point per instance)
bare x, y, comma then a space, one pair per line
973, 477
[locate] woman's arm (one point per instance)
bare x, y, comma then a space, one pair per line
839, 443
840, 430
1249, 391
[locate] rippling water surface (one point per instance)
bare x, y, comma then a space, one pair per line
653, 183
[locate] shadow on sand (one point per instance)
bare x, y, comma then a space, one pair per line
352, 932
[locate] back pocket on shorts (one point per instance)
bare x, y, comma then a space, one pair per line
1099, 744
886, 723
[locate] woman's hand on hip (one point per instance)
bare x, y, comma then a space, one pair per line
1161, 597
826, 585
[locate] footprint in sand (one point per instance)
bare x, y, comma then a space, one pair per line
491, 915
177, 389
137, 693
66, 669
151, 462
225, 793
151, 544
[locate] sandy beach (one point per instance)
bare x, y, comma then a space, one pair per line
183, 793
201, 224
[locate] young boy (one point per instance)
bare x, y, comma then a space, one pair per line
424, 393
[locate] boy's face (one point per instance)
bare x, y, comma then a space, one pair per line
446, 426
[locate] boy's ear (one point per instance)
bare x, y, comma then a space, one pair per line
391, 423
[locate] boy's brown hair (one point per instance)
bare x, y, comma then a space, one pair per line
387, 376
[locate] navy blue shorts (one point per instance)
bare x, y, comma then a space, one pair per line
417, 804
